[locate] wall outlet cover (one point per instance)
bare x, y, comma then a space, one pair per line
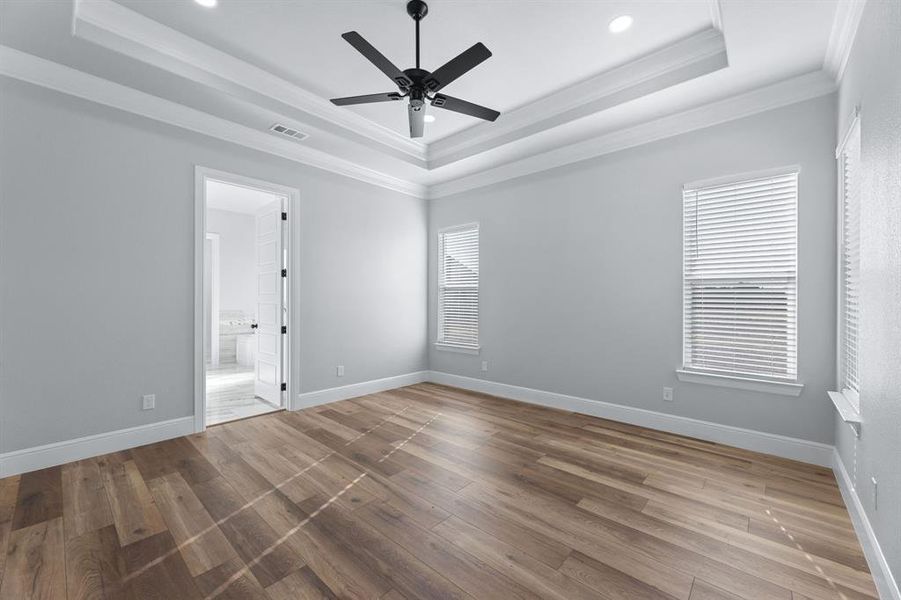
668, 394
484, 366
340, 371
148, 402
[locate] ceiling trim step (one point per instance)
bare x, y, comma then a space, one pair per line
122, 30
48, 74
694, 56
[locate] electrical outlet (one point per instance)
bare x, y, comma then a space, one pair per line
340, 371
875, 493
668, 394
484, 366
148, 402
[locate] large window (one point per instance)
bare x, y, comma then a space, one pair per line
740, 286
458, 287
849, 264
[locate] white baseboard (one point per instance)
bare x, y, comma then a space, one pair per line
879, 567
768, 443
50, 455
308, 399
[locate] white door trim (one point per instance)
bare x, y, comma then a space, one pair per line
291, 241
214, 298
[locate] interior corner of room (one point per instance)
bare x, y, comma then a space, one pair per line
625, 322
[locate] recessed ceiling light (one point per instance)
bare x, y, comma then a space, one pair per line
430, 118
619, 24
207, 3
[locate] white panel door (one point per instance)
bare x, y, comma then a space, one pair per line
268, 377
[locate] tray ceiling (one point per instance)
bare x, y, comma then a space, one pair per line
538, 47
568, 88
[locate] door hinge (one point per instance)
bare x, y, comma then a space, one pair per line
284, 329
284, 272
284, 216
284, 387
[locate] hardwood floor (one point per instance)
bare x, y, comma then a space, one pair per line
429, 492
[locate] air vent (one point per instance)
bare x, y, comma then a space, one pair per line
288, 132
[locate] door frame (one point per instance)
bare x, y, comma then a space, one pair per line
214, 298
291, 241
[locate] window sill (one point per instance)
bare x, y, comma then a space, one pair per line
846, 410
741, 383
457, 349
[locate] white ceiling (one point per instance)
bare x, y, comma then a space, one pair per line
234, 70
538, 47
234, 198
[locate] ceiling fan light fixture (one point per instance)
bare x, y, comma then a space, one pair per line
620, 24
207, 3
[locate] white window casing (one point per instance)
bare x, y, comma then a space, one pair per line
848, 157
458, 288
740, 280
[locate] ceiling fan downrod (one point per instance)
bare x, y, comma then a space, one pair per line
417, 9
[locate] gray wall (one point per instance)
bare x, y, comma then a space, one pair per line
873, 82
96, 264
581, 272
237, 259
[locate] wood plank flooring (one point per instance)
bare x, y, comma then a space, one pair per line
429, 492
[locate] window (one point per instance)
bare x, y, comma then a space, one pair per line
849, 264
740, 287
458, 287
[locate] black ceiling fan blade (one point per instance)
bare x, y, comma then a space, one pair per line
417, 120
367, 99
449, 71
377, 58
464, 107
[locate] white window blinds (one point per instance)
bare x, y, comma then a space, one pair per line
458, 286
849, 188
740, 296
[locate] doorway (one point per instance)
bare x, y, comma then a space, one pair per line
244, 298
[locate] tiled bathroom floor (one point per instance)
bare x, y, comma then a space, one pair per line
229, 394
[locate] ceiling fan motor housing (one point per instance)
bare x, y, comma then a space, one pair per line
418, 77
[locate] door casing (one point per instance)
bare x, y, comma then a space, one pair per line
291, 370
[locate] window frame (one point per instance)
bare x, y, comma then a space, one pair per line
852, 136
781, 386
440, 343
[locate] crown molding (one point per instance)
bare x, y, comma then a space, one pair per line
783, 93
120, 29
51, 75
716, 14
844, 29
691, 57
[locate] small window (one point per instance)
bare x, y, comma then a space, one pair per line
458, 287
740, 287
849, 265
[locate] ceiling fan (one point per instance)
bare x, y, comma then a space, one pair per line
418, 84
